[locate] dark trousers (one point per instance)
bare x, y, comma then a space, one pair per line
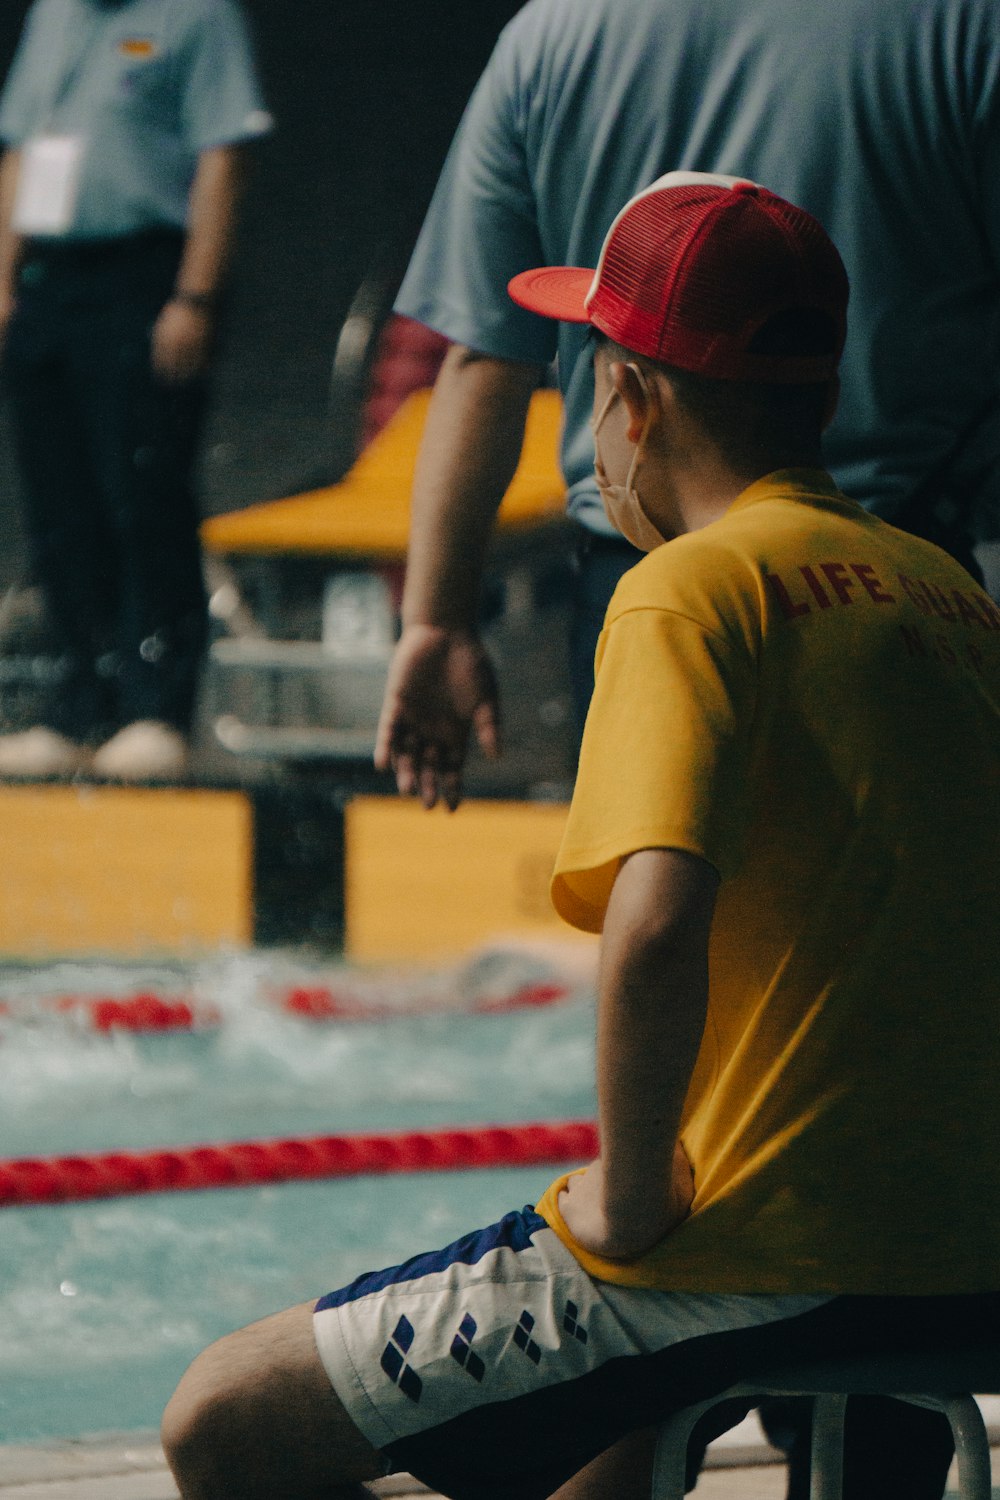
889, 1449
598, 563
106, 453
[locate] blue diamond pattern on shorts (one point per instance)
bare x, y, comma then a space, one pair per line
571, 1323
463, 1353
394, 1363
403, 1334
523, 1339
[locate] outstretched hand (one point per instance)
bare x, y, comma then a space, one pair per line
441, 685
625, 1235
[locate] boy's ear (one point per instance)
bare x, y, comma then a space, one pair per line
636, 392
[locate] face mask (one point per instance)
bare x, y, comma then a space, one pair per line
622, 505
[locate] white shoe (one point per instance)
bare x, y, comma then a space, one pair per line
144, 751
40, 752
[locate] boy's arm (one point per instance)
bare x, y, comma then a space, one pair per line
652, 1002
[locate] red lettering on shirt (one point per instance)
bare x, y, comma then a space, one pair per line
820, 595
967, 612
840, 580
913, 641
938, 601
974, 657
943, 650
787, 605
915, 597
866, 576
989, 611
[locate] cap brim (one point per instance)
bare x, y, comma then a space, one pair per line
554, 292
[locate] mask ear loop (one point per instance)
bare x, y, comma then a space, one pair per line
630, 480
596, 422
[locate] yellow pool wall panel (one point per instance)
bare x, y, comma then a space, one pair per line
425, 885
124, 872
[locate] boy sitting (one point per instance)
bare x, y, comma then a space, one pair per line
786, 826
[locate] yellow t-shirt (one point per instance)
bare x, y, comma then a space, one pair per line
810, 700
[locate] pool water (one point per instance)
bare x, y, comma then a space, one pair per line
103, 1304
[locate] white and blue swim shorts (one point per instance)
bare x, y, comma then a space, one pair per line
498, 1367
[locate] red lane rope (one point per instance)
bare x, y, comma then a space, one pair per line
61, 1179
151, 1013
319, 1003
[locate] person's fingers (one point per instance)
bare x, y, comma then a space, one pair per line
430, 765
451, 789
486, 724
385, 735
429, 787
397, 742
405, 772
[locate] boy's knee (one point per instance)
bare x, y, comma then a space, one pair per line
255, 1416
201, 1428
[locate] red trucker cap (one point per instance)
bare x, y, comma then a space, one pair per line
711, 274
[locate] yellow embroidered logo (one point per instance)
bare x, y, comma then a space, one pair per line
138, 46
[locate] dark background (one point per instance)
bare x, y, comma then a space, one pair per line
366, 98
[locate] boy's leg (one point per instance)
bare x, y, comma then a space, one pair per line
624, 1472
493, 1367
255, 1418
255, 1414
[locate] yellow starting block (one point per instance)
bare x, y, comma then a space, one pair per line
368, 512
128, 872
361, 523
431, 885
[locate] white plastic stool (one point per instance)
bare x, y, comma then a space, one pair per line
937, 1377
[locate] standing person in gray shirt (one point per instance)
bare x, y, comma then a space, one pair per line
126, 124
882, 120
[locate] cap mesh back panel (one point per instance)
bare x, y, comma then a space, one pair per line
695, 262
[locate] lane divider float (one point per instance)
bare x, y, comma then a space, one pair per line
147, 1012
64, 1179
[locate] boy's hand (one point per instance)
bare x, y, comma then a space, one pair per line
625, 1235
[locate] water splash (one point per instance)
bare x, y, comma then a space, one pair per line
102, 1305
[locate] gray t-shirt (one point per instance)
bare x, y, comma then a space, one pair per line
144, 86
882, 117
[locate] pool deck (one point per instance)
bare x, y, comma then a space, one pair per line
135, 1470
132, 1468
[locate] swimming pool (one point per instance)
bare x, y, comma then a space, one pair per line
103, 1304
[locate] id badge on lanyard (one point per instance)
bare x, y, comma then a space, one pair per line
48, 185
